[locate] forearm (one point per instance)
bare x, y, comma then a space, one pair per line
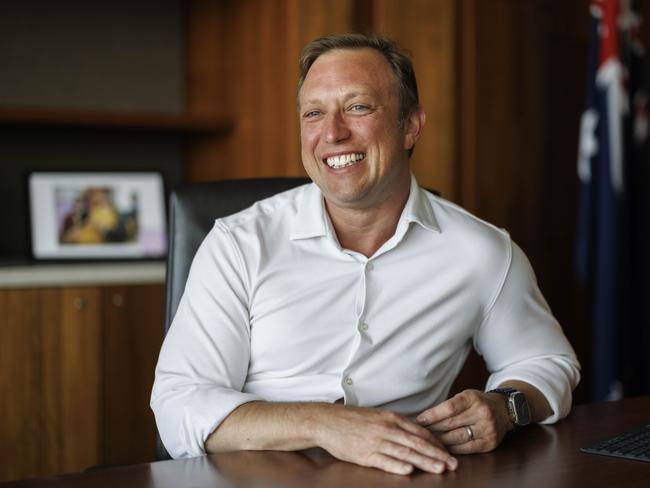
268, 426
365, 436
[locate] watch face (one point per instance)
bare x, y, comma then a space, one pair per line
521, 409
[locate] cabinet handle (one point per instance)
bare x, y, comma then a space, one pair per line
118, 300
79, 303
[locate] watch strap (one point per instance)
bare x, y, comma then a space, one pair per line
504, 391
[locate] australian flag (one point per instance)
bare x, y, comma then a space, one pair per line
613, 242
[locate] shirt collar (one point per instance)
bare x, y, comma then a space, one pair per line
312, 220
418, 208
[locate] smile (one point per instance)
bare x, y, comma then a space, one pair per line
343, 160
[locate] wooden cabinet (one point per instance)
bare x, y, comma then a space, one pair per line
76, 369
133, 318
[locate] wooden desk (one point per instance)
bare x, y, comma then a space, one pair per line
535, 457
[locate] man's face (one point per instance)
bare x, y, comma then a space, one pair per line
352, 145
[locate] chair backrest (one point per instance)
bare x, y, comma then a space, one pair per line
193, 209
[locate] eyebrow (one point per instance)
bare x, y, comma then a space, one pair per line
347, 96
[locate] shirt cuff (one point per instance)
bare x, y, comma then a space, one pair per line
187, 417
555, 378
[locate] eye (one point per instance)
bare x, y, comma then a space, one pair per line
311, 114
358, 107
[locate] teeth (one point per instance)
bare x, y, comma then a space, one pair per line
343, 160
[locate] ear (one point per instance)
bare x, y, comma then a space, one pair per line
413, 127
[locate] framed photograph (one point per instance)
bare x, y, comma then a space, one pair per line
97, 215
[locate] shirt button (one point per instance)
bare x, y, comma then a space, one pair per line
348, 381
370, 267
363, 327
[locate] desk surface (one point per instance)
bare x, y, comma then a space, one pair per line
534, 457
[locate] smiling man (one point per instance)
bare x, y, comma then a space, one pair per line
338, 314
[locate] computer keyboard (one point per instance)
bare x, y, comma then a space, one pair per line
633, 444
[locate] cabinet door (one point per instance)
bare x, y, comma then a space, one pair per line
50, 381
72, 378
20, 383
133, 319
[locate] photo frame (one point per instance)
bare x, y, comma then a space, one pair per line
88, 215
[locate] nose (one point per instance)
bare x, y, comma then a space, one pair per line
336, 128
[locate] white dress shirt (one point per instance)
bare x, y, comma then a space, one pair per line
274, 309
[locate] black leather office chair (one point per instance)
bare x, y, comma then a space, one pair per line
193, 209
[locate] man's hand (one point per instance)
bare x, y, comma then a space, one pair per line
365, 436
472, 421
382, 439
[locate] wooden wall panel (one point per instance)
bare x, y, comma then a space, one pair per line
466, 123
258, 68
208, 82
523, 70
319, 18
260, 42
427, 29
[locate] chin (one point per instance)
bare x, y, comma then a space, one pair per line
347, 199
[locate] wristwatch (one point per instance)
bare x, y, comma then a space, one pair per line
517, 406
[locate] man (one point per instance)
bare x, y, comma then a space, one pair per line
339, 313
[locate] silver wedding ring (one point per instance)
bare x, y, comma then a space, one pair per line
470, 433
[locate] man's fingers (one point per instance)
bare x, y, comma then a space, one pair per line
418, 430
471, 447
466, 408
435, 414
415, 458
458, 436
424, 441
431, 451
445, 410
385, 440
416, 445
465, 418
471, 421
466, 448
390, 464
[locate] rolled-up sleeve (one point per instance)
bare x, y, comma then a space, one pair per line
521, 340
204, 358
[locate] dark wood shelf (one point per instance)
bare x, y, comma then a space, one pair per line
190, 124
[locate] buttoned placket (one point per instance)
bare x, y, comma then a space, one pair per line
362, 338
362, 320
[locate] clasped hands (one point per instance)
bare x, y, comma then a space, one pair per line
472, 421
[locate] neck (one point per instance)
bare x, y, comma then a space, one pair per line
366, 230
